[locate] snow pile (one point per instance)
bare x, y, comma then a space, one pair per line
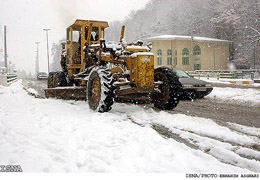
226, 145
47, 135
3, 89
32, 91
249, 95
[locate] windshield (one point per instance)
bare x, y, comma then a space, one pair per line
181, 74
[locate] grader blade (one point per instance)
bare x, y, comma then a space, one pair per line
66, 93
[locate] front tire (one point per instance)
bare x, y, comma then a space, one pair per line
167, 97
100, 90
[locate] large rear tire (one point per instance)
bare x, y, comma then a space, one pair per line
167, 97
100, 90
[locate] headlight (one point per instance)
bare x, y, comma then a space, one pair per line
187, 86
208, 85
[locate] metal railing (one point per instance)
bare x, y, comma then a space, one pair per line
226, 74
11, 77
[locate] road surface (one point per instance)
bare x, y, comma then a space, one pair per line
221, 112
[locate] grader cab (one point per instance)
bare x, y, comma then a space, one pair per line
101, 72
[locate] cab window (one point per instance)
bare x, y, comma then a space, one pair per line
76, 34
95, 34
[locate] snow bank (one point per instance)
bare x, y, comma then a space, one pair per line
33, 91
251, 96
47, 135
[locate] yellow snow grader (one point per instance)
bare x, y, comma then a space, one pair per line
100, 72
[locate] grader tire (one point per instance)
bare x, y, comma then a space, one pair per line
100, 90
55, 80
59, 79
168, 96
50, 80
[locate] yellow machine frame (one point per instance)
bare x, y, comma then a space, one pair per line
140, 63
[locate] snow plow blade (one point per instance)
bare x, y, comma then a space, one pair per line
66, 93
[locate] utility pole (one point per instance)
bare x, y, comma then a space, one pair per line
5, 46
37, 60
171, 56
214, 56
254, 57
47, 49
191, 47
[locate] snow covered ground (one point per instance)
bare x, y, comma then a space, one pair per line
249, 96
48, 135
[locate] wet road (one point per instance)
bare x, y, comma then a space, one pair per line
222, 112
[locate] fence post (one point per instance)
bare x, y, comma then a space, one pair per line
217, 76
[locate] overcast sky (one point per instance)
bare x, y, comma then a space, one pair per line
25, 20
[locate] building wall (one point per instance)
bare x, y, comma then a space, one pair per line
205, 59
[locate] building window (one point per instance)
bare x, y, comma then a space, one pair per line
159, 52
185, 52
196, 50
169, 60
169, 57
197, 67
169, 52
159, 60
185, 60
159, 57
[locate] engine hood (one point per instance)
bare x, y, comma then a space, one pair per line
192, 81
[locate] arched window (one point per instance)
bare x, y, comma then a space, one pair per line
169, 57
185, 52
159, 52
169, 52
196, 50
185, 56
159, 57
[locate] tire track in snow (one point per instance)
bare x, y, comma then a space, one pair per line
238, 159
251, 134
237, 153
234, 128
